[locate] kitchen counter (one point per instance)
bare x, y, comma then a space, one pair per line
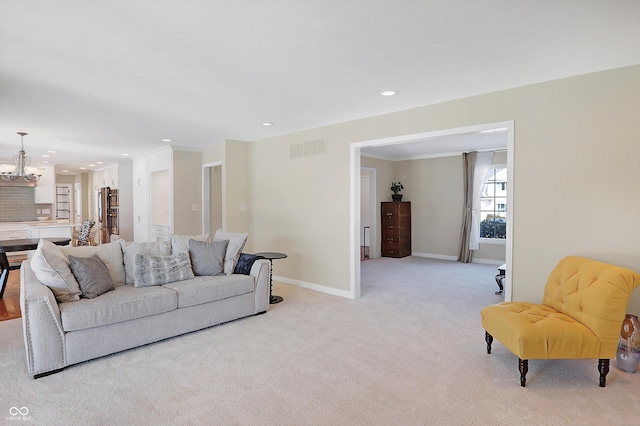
44, 223
42, 229
37, 223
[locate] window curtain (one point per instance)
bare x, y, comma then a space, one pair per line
476, 168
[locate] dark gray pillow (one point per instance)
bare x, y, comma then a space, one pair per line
92, 275
208, 258
157, 269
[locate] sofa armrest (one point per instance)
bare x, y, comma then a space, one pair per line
41, 324
261, 271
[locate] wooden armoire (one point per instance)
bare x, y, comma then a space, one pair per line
395, 218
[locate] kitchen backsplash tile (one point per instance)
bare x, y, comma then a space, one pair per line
17, 204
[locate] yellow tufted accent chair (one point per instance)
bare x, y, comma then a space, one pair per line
580, 317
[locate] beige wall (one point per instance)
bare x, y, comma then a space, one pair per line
434, 186
237, 206
236, 171
215, 200
588, 124
187, 192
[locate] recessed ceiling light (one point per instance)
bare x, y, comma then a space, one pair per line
167, 140
51, 152
83, 168
92, 165
267, 124
125, 155
65, 171
98, 162
389, 92
46, 155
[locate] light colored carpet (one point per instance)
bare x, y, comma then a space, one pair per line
411, 351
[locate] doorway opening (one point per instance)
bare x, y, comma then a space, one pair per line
213, 217
368, 202
449, 143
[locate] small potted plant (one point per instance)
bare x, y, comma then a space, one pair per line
396, 187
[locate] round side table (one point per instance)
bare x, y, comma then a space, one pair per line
271, 256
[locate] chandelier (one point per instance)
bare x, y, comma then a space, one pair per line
20, 167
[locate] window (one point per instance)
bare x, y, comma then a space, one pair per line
493, 205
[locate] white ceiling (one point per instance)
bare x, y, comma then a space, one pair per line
94, 79
492, 139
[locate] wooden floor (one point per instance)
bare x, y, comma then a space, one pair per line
10, 302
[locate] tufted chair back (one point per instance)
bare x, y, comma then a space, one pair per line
593, 293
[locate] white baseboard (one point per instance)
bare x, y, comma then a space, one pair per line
435, 256
454, 258
488, 261
316, 287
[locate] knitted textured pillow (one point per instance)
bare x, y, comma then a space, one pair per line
157, 269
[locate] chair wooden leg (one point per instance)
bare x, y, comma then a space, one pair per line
603, 368
489, 339
523, 365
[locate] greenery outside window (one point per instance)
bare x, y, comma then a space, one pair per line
493, 205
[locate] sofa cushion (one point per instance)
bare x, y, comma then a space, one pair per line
151, 269
236, 244
124, 303
51, 268
208, 258
201, 290
110, 253
130, 249
180, 243
92, 275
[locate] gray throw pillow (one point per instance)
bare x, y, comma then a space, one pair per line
157, 269
92, 275
207, 258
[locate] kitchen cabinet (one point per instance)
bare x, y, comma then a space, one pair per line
140, 200
157, 163
395, 218
140, 215
45, 190
111, 177
106, 177
140, 174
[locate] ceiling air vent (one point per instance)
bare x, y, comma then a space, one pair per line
305, 149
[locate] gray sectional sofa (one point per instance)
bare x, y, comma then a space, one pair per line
60, 330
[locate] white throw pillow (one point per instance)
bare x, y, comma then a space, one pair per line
180, 243
236, 244
51, 268
130, 249
110, 253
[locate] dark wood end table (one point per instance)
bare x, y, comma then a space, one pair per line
271, 256
22, 244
